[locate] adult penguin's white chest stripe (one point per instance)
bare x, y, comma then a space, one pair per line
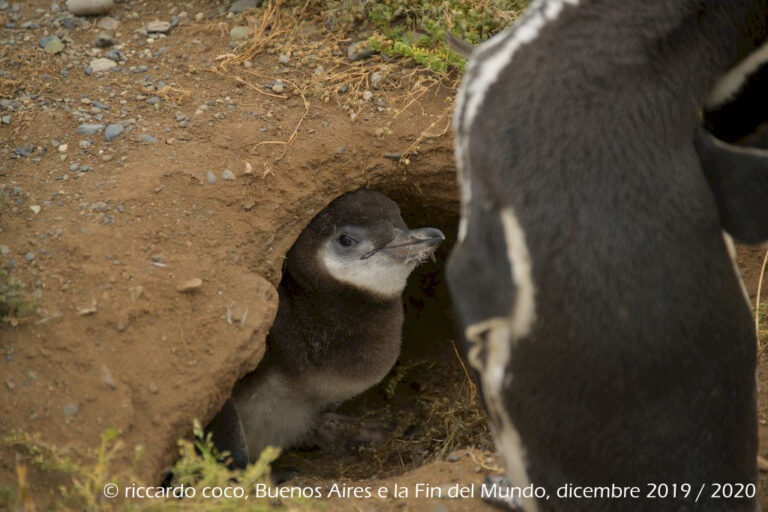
493, 56
489, 349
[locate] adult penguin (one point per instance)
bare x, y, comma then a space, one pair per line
592, 281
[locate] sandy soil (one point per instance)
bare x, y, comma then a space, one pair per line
114, 342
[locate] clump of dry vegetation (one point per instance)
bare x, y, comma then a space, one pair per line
86, 473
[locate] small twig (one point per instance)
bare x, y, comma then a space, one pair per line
296, 128
426, 135
258, 89
472, 387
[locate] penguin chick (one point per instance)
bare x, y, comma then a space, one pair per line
338, 327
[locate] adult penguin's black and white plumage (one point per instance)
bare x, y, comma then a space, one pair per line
338, 327
591, 277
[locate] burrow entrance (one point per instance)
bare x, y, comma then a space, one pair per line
427, 406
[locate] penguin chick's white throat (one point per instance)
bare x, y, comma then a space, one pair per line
351, 256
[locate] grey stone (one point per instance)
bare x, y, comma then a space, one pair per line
239, 33
242, 5
89, 7
6, 119
112, 131
24, 150
30, 256
228, 175
145, 137
102, 64
44, 41
158, 27
377, 78
210, 177
89, 129
53, 46
99, 105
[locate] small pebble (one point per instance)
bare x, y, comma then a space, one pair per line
454, 457
189, 286
145, 137
106, 377
377, 78
30, 256
35, 208
158, 27
24, 150
101, 64
239, 33
89, 129
210, 177
53, 46
71, 409
228, 175
112, 131
278, 87
108, 23
89, 7
242, 5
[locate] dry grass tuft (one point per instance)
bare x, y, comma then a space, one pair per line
269, 27
8, 87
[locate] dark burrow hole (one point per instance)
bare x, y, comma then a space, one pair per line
427, 406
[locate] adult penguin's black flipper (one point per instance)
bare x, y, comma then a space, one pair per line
227, 433
739, 180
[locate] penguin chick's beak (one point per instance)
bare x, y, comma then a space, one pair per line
408, 245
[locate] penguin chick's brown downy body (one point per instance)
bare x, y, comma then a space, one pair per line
338, 326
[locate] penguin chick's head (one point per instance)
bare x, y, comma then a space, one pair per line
361, 240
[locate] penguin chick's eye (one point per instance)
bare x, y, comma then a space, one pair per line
347, 241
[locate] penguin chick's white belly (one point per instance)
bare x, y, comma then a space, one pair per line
274, 412
280, 411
